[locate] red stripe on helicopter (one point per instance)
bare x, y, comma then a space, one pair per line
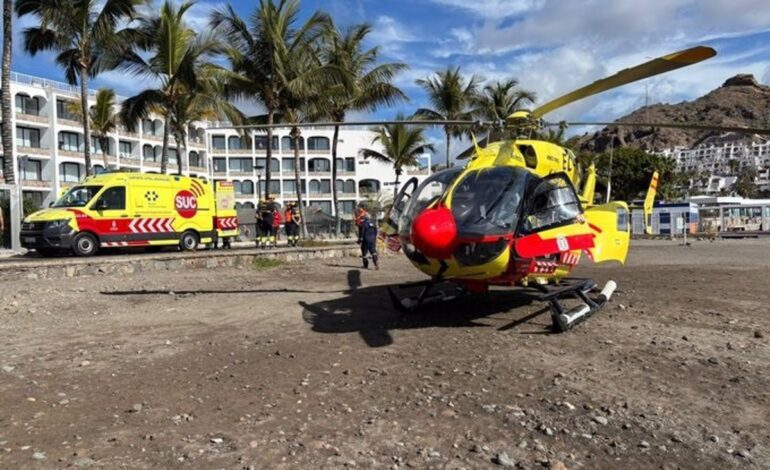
532, 246
594, 228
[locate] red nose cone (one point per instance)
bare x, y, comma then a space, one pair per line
434, 233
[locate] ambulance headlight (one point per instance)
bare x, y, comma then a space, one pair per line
54, 224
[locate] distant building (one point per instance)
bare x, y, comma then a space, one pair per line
49, 147
712, 158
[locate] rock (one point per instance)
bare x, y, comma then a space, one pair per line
254, 444
601, 420
558, 465
83, 462
38, 456
759, 334
8, 369
85, 363
714, 439
568, 405
713, 360
644, 445
136, 407
503, 460
217, 440
743, 453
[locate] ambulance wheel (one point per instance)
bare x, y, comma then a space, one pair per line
189, 241
84, 244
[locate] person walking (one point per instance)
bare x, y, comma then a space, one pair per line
267, 223
289, 225
367, 238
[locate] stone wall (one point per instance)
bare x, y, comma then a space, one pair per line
34, 269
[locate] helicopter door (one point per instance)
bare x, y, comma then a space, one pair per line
553, 220
611, 227
389, 226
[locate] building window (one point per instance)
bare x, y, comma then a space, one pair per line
275, 165
346, 186
346, 164
173, 156
218, 142
325, 206
27, 105
96, 146
195, 159
63, 111
35, 196
347, 207
69, 172
69, 141
220, 165
260, 142
98, 170
320, 187
32, 170
275, 187
242, 165
287, 143
27, 137
243, 187
319, 165
368, 186
318, 143
236, 143
125, 149
148, 153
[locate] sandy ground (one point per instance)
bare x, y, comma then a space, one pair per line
310, 367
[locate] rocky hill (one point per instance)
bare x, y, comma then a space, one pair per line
741, 100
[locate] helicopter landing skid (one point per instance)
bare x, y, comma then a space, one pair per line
564, 320
428, 295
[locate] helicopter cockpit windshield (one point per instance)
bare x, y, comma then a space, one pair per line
488, 201
426, 195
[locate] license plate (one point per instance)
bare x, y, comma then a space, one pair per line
29, 239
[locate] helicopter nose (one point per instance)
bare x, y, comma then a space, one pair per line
434, 233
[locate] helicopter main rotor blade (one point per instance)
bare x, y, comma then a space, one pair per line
673, 125
657, 66
415, 122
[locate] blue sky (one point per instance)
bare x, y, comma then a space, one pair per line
550, 46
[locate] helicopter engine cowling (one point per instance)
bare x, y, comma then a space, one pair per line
434, 233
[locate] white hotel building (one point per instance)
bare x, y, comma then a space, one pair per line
49, 147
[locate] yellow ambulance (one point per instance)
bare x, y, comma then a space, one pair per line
133, 209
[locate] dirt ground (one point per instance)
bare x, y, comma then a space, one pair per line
310, 367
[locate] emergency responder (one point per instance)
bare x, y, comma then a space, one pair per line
296, 218
367, 238
276, 223
288, 220
258, 233
267, 223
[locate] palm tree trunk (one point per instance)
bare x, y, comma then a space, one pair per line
269, 152
335, 202
177, 140
295, 134
448, 137
184, 162
105, 143
7, 132
395, 189
164, 151
86, 121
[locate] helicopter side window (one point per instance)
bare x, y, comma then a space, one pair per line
554, 203
530, 156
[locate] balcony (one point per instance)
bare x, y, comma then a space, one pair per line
42, 151
321, 195
68, 122
32, 118
325, 174
239, 151
220, 173
249, 174
41, 184
156, 138
242, 196
71, 153
198, 169
151, 164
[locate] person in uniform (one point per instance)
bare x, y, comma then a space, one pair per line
266, 213
277, 219
258, 233
288, 218
367, 238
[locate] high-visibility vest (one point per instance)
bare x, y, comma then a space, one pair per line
288, 216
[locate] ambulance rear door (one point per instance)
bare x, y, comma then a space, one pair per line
226, 217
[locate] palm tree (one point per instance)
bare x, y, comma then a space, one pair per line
451, 97
402, 146
204, 102
499, 100
260, 54
85, 34
102, 118
178, 55
366, 85
7, 133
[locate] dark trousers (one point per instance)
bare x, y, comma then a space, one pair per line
369, 247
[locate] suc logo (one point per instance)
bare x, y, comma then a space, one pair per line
186, 204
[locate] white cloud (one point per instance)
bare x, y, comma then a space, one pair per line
493, 8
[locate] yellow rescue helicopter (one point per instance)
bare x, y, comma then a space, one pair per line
521, 212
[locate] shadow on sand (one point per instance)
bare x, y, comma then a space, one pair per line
368, 311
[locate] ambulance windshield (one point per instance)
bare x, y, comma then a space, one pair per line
78, 196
